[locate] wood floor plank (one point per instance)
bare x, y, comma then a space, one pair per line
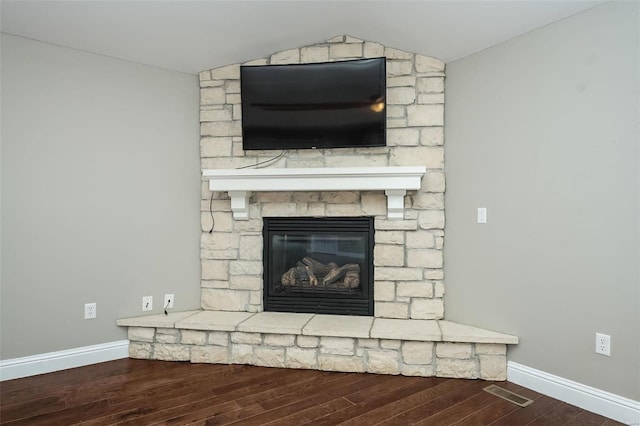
446, 400
384, 401
431, 388
560, 414
32, 408
384, 390
127, 411
211, 418
306, 383
206, 409
350, 382
587, 419
69, 415
167, 416
459, 411
309, 415
209, 407
199, 398
488, 414
611, 422
139, 392
285, 407
259, 378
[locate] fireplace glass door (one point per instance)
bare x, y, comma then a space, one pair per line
319, 265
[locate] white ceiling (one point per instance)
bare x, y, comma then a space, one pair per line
190, 36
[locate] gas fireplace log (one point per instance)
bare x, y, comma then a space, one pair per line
295, 276
310, 272
318, 267
336, 274
352, 279
288, 278
312, 278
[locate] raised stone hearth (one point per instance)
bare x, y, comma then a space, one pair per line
322, 342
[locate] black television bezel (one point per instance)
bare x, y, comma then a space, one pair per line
308, 144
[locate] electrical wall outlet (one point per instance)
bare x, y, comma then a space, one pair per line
147, 303
89, 310
168, 301
603, 344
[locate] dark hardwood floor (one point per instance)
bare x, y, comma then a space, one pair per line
136, 392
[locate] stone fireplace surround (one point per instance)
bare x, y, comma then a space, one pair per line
407, 334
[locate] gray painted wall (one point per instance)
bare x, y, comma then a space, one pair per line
100, 194
543, 131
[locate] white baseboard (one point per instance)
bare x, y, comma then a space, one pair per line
62, 360
591, 399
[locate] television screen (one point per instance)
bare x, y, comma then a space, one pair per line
319, 105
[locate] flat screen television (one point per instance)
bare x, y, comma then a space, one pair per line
319, 105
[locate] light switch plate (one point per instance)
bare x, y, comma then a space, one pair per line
482, 215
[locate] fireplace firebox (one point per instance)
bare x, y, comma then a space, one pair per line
318, 265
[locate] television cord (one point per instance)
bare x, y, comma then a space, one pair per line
271, 160
267, 162
213, 221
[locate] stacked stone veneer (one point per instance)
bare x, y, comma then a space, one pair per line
410, 358
408, 253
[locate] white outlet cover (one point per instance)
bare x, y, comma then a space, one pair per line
603, 344
168, 301
147, 303
90, 311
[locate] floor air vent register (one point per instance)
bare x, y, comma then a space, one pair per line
508, 395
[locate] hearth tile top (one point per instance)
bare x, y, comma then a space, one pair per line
404, 329
158, 320
214, 320
339, 326
322, 325
275, 322
454, 332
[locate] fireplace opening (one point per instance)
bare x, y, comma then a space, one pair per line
318, 265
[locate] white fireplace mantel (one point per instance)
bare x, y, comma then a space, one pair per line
240, 183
